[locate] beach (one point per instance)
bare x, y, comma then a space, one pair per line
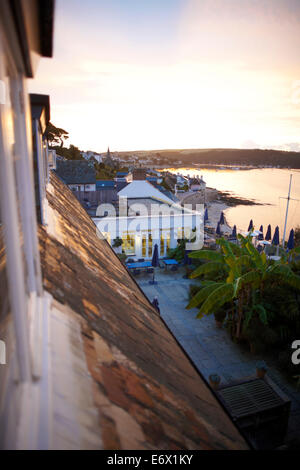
216, 202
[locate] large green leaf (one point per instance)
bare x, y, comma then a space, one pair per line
203, 294
216, 299
244, 260
231, 276
260, 310
226, 247
236, 249
264, 258
207, 268
285, 275
207, 254
254, 254
262, 313
252, 277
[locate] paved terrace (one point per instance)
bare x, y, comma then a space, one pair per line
209, 347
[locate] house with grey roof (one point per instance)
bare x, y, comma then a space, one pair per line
78, 175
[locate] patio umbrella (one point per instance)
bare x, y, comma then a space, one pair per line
233, 235
268, 234
222, 219
218, 229
206, 215
290, 244
275, 240
250, 225
261, 235
154, 262
156, 304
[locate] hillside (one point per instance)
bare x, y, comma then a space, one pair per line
255, 157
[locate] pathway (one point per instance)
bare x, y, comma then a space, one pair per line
210, 348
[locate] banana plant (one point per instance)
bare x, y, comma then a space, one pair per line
246, 272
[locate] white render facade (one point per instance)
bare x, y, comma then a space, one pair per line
140, 233
147, 217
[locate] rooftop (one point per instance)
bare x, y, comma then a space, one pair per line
144, 189
146, 392
76, 171
105, 184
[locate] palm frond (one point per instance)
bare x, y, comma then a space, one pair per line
216, 299
207, 268
206, 254
203, 294
286, 275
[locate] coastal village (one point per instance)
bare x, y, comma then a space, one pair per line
132, 316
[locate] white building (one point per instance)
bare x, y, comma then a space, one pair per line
197, 184
89, 154
147, 217
182, 180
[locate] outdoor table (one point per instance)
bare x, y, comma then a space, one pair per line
169, 262
139, 264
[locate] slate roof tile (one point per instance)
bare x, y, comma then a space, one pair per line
148, 394
76, 171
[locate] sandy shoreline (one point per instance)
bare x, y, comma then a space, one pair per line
216, 202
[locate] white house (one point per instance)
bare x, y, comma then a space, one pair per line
147, 217
89, 154
197, 184
182, 180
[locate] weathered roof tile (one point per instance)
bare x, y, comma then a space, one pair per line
148, 394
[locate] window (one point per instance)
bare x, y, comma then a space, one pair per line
40, 118
162, 243
18, 214
180, 233
129, 242
150, 242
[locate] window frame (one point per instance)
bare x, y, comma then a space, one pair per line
18, 210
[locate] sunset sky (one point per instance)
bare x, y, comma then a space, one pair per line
154, 74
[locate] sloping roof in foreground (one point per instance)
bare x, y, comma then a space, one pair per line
147, 393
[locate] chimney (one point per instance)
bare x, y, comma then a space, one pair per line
139, 174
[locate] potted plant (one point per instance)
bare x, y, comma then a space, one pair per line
117, 244
214, 380
261, 369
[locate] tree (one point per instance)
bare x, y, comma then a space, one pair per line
246, 274
56, 135
74, 153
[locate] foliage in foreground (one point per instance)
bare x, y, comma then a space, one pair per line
258, 297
